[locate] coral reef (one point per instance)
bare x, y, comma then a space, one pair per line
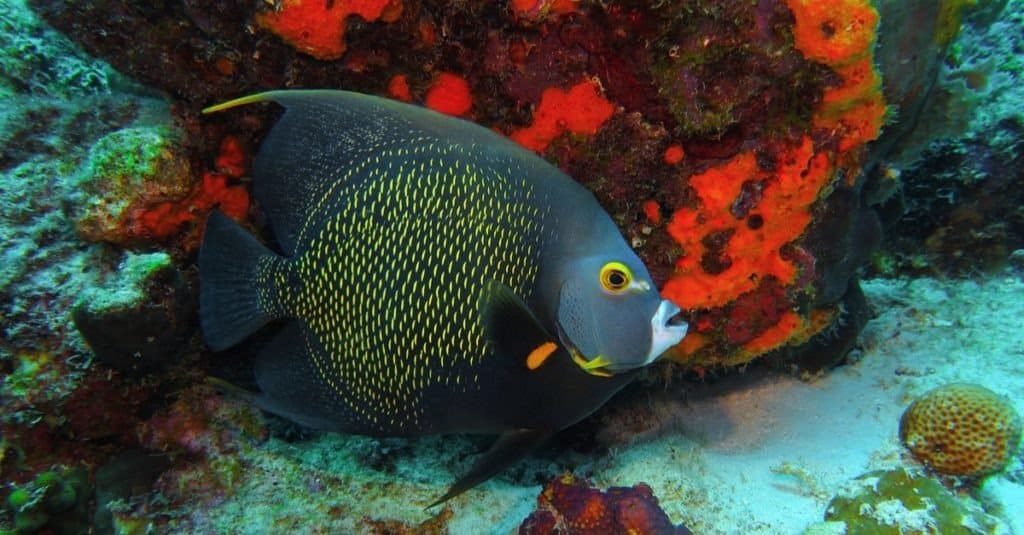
129, 475
70, 122
141, 319
138, 187
739, 146
59, 409
35, 60
56, 501
200, 440
949, 172
714, 135
892, 502
961, 429
126, 170
571, 505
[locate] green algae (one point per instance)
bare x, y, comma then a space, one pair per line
31, 369
58, 102
126, 287
125, 168
897, 502
56, 501
36, 59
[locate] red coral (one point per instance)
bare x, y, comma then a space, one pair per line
450, 95
834, 32
539, 9
398, 88
653, 211
842, 36
165, 220
674, 154
729, 244
570, 505
232, 160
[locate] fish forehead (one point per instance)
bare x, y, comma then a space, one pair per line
393, 264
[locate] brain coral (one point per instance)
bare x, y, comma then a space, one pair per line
961, 430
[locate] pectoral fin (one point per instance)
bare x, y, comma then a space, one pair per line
510, 447
515, 331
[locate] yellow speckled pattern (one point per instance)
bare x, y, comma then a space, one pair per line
390, 270
961, 430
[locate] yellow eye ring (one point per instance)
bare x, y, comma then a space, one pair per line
615, 277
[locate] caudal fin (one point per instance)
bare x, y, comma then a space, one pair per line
230, 308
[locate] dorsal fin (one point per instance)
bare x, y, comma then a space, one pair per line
327, 136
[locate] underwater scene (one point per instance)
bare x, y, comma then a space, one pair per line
512, 267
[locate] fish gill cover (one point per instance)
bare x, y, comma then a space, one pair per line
751, 153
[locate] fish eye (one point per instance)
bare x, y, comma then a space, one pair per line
615, 277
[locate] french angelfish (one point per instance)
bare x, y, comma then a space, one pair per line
435, 276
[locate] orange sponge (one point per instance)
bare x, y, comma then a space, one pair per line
834, 32
539, 9
581, 110
841, 34
725, 255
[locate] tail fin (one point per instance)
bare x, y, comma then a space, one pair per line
230, 308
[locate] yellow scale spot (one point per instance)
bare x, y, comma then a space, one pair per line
392, 298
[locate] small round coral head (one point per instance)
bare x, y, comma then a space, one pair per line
962, 430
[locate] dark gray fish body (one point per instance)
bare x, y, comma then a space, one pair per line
440, 279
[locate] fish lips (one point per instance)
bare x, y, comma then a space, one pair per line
667, 329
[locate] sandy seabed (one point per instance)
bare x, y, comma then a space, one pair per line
767, 451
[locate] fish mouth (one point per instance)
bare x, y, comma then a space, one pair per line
667, 329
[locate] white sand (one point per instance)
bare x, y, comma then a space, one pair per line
767, 452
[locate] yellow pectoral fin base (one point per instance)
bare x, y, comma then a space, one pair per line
540, 355
593, 366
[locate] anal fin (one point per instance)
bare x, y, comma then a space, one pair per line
510, 447
290, 386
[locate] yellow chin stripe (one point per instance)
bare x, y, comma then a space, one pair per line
593, 366
540, 354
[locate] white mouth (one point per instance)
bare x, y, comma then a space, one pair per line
664, 334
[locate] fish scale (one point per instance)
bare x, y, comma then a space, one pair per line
377, 362
433, 277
